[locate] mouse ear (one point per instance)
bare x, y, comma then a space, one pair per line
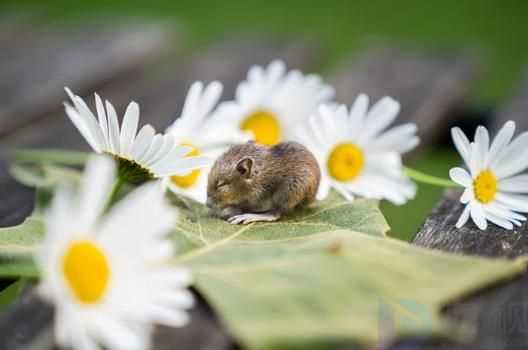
244, 167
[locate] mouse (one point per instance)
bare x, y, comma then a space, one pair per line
254, 183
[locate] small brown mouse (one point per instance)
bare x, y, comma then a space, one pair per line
250, 182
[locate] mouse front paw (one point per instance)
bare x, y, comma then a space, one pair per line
250, 217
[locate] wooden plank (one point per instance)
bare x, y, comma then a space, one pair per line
499, 314
439, 232
33, 74
428, 85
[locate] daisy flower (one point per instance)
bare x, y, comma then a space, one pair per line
105, 276
356, 154
494, 187
195, 129
142, 155
272, 102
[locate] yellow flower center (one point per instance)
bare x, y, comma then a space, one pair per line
345, 162
86, 270
265, 127
485, 186
190, 179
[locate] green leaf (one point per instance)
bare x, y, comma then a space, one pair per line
326, 275
16, 248
196, 228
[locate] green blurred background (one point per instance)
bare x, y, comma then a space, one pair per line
496, 30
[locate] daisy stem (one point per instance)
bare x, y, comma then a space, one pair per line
418, 176
119, 182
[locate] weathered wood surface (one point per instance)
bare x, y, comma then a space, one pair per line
500, 315
428, 85
33, 73
439, 232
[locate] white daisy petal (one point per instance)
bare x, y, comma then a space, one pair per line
482, 145
515, 158
113, 129
500, 142
142, 141
166, 146
517, 184
129, 128
315, 122
157, 142
115, 335
210, 98
80, 124
89, 120
503, 212
380, 116
327, 121
343, 191
506, 224
461, 144
478, 216
467, 196
399, 139
192, 99
461, 177
103, 121
324, 189
180, 166
514, 202
357, 115
95, 186
275, 71
475, 161
464, 217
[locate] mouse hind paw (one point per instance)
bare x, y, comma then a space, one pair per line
251, 217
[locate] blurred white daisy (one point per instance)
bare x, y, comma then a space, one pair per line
272, 103
356, 153
105, 276
141, 155
195, 129
494, 187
